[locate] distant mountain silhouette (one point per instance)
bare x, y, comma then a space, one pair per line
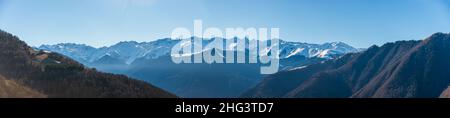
404, 69
197, 80
26, 72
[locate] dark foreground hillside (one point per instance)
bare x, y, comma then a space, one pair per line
25, 72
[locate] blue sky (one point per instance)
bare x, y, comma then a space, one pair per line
360, 23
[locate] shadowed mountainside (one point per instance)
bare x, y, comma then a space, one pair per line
404, 69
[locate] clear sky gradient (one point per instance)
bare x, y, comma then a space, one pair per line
360, 23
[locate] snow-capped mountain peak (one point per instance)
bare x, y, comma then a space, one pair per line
326, 50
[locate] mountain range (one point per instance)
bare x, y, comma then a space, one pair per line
27, 72
403, 69
151, 61
129, 51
